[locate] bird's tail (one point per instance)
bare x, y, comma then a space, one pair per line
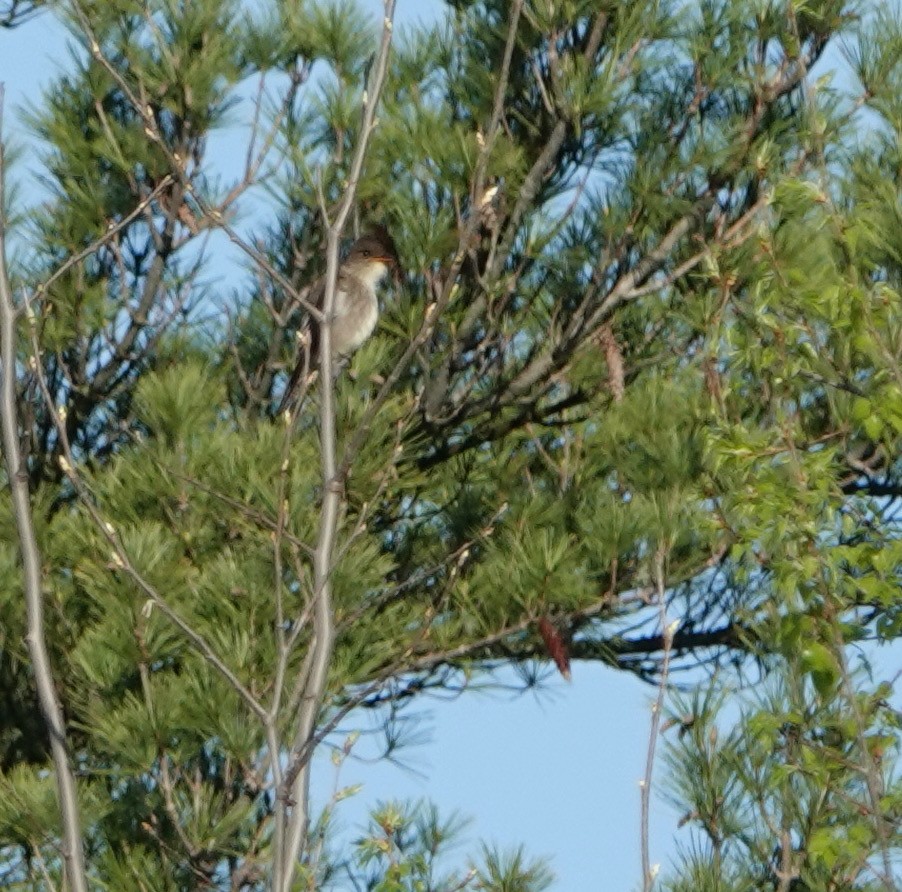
299, 375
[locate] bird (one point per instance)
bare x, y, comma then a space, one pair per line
355, 309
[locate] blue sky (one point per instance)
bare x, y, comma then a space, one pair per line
557, 771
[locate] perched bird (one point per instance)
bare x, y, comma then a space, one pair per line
355, 310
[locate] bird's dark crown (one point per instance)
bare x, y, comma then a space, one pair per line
377, 245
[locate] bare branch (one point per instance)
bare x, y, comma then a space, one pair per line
667, 630
42, 288
872, 776
212, 216
323, 620
17, 473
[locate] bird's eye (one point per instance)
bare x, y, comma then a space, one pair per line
366, 252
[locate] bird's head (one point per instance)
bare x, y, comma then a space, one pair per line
371, 256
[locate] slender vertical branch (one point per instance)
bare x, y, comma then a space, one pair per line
323, 620
272, 736
17, 473
667, 630
872, 777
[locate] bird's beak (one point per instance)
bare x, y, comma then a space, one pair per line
394, 268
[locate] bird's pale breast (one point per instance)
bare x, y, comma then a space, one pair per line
356, 315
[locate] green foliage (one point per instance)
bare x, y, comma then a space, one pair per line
782, 791
796, 786
674, 330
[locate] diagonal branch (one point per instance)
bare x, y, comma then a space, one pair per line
212, 216
120, 555
113, 230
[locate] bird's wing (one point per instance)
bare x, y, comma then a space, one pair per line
307, 360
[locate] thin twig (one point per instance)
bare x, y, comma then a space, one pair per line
104, 239
739, 232
284, 646
872, 778
17, 474
242, 507
42, 865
